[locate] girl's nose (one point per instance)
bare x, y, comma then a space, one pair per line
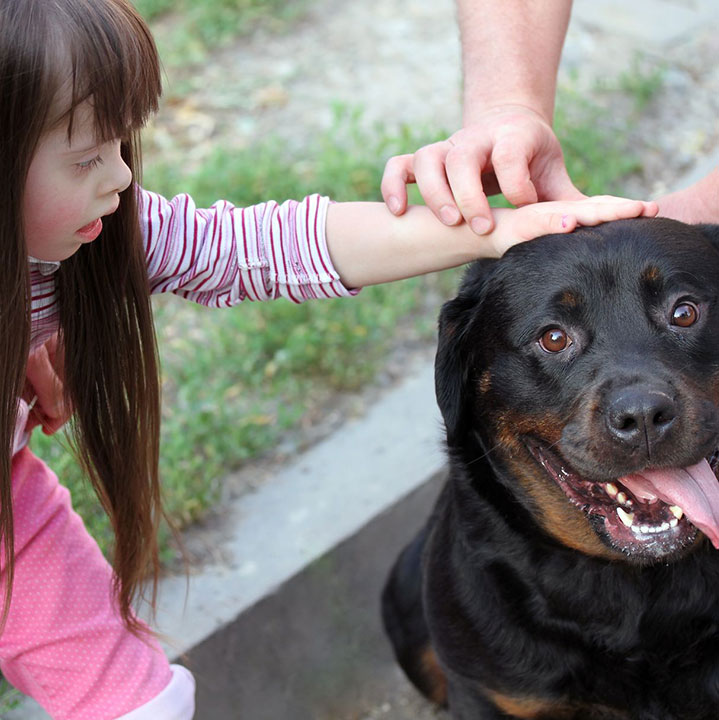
119, 175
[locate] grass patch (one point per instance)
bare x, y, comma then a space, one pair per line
187, 30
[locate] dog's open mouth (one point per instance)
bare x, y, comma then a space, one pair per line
651, 513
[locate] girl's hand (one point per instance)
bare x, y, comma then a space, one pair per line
531, 221
44, 388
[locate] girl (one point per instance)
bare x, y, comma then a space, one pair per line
81, 249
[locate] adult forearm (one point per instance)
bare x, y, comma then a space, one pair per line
698, 203
510, 53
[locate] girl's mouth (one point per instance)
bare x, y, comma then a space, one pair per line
90, 231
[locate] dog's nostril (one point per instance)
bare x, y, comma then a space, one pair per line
636, 414
628, 424
663, 417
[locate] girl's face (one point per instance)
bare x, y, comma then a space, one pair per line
71, 184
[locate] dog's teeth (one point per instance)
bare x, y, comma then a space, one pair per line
673, 522
611, 489
621, 498
626, 517
676, 511
665, 526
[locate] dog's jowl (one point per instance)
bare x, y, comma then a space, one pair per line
570, 569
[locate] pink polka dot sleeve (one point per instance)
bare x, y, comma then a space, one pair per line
63, 643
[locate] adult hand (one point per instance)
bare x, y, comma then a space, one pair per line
44, 372
510, 148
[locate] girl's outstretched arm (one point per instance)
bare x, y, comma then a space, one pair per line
369, 245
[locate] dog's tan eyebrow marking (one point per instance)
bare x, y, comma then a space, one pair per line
651, 275
570, 299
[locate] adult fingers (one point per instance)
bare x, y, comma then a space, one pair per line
511, 161
397, 173
464, 165
431, 177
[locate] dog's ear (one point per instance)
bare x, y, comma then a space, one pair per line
711, 233
452, 367
451, 371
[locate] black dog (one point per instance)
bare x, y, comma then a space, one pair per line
568, 569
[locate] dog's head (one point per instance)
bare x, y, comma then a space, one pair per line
586, 369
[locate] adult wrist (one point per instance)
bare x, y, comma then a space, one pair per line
477, 112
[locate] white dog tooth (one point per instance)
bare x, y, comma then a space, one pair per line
611, 489
626, 517
621, 498
673, 522
676, 511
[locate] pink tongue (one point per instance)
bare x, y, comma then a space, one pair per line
694, 489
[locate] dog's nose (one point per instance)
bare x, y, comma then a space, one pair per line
639, 415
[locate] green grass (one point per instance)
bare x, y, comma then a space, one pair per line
9, 697
187, 30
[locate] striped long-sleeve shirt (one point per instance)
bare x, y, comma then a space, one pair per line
219, 256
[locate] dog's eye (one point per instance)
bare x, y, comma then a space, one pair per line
554, 340
685, 314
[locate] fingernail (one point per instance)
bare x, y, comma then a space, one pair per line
449, 215
394, 204
564, 220
480, 225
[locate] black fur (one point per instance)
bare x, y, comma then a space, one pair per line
532, 607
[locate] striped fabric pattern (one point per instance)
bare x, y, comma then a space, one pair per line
220, 256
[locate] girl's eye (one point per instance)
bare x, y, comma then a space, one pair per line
89, 164
685, 314
554, 340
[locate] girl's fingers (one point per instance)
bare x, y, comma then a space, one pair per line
545, 223
594, 212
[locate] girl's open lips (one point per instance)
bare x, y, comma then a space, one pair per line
90, 231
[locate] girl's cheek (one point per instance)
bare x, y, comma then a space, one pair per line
47, 224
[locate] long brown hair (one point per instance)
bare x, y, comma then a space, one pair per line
54, 56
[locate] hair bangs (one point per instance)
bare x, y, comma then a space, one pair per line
114, 66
